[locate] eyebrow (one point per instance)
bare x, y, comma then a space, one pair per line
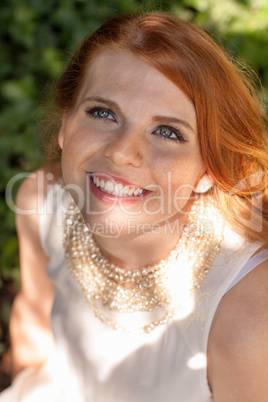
158, 118
99, 99
174, 120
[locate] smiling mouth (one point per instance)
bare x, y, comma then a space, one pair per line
117, 189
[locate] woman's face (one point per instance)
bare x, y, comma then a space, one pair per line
130, 151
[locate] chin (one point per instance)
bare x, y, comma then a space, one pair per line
104, 226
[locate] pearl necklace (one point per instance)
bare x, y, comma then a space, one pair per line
148, 288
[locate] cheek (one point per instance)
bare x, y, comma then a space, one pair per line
70, 165
179, 178
79, 142
181, 194
80, 146
181, 171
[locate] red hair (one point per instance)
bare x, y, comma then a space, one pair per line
231, 129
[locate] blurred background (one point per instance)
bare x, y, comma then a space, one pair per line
36, 39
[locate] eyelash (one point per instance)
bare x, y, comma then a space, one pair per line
92, 112
179, 137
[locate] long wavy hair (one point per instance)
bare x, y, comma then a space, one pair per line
231, 126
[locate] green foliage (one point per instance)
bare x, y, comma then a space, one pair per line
241, 25
36, 37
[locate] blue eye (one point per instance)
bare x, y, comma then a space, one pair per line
170, 133
101, 113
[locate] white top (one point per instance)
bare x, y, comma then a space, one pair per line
94, 363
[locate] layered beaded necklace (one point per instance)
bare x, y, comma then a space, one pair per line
147, 289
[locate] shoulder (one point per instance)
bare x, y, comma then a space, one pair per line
32, 194
30, 333
238, 342
34, 188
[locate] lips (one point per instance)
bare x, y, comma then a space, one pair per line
115, 187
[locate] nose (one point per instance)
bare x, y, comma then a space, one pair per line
125, 149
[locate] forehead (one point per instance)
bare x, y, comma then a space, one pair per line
125, 77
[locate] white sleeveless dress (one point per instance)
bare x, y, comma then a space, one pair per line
94, 363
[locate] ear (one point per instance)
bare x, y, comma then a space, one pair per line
204, 183
61, 132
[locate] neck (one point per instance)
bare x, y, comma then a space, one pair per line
137, 250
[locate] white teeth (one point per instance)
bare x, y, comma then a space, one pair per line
109, 187
131, 191
116, 189
125, 191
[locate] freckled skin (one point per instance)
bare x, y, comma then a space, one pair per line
143, 106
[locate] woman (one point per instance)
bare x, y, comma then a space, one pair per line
159, 210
